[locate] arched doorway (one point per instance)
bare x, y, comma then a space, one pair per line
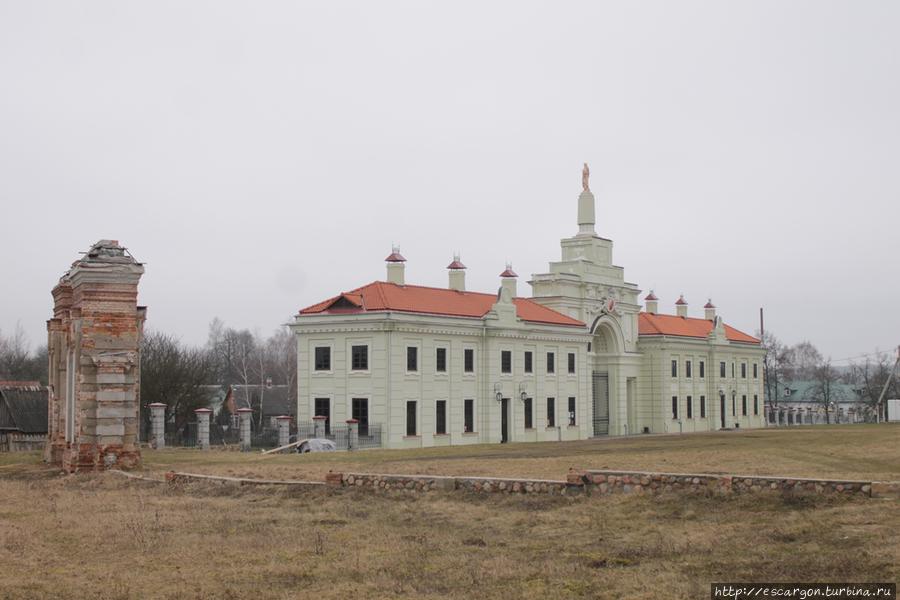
605, 348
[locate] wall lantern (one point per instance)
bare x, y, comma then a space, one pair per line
522, 393
498, 391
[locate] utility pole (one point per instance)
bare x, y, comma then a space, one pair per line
878, 407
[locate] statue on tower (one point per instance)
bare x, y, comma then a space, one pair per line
585, 175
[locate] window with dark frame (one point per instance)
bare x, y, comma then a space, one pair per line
702, 369
687, 368
411, 417
440, 360
323, 409
412, 358
551, 412
506, 361
323, 358
690, 407
674, 407
722, 370
674, 368
702, 407
744, 405
360, 412
469, 360
571, 362
743, 370
529, 415
359, 358
440, 417
551, 363
732, 370
755, 371
571, 411
468, 415
529, 368
755, 404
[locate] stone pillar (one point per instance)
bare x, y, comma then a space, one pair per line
284, 430
352, 434
203, 415
158, 425
319, 426
246, 418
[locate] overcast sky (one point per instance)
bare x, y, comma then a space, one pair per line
262, 156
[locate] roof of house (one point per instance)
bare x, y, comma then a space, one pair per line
276, 399
804, 391
380, 296
654, 324
25, 406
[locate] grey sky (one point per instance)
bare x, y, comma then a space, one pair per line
261, 156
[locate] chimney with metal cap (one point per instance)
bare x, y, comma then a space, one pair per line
395, 267
456, 272
709, 310
651, 303
681, 306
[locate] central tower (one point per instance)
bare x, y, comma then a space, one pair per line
586, 285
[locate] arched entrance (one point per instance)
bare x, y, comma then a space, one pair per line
605, 348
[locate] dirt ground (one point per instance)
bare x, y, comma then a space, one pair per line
103, 536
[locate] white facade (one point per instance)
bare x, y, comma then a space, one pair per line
622, 380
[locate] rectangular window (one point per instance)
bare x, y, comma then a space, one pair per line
528, 360
323, 409
732, 370
412, 358
722, 370
702, 369
529, 416
469, 360
702, 407
551, 363
687, 368
571, 362
411, 417
755, 371
360, 412
743, 370
469, 415
440, 417
359, 358
755, 404
744, 405
440, 360
571, 411
323, 358
551, 412
690, 407
674, 407
506, 361
674, 368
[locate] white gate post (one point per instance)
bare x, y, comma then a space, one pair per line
319, 426
246, 416
352, 434
284, 430
157, 425
203, 415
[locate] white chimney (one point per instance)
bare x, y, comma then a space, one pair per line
709, 311
651, 303
508, 282
456, 272
395, 267
681, 306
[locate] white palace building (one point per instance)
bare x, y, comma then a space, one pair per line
578, 359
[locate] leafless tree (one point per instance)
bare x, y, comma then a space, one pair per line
826, 389
871, 376
18, 362
803, 361
776, 367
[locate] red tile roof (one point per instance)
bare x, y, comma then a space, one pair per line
395, 256
709, 304
651, 324
456, 264
508, 272
681, 301
382, 296
651, 296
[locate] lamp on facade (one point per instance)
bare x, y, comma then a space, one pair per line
523, 394
498, 391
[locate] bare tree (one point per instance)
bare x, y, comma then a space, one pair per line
871, 377
826, 389
282, 352
777, 367
804, 359
18, 362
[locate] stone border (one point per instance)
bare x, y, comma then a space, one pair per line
424, 483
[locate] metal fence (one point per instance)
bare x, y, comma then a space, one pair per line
185, 436
340, 435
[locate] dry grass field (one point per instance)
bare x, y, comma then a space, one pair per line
102, 536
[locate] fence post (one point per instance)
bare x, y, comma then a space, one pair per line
284, 430
319, 426
203, 415
157, 425
246, 416
352, 434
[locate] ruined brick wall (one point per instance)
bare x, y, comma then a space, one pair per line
94, 353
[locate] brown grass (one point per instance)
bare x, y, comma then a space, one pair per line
101, 536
